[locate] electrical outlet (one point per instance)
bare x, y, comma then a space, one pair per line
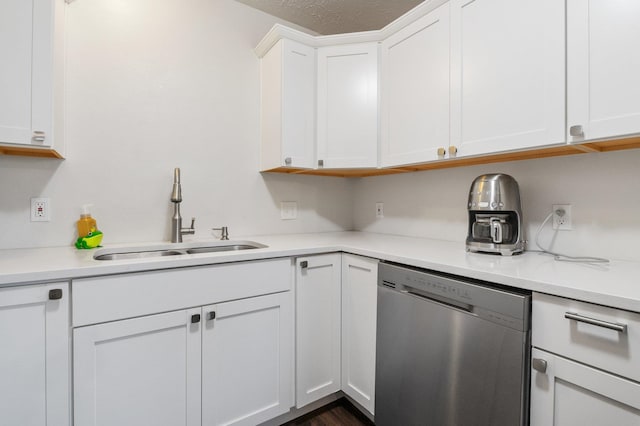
40, 210
288, 210
379, 210
562, 217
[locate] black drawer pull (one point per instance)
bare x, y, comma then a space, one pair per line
620, 328
55, 294
195, 318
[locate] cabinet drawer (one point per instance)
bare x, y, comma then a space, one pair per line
116, 297
599, 336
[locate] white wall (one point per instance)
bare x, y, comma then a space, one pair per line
152, 85
603, 189
157, 84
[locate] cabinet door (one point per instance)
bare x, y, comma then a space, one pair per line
359, 307
415, 91
34, 359
348, 106
508, 74
247, 360
317, 327
288, 106
140, 371
573, 394
603, 64
26, 48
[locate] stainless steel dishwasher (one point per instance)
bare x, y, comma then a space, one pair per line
450, 351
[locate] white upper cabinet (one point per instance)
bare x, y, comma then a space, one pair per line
603, 65
415, 90
507, 74
27, 72
288, 87
348, 106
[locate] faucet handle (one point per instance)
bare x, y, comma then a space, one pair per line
190, 230
224, 232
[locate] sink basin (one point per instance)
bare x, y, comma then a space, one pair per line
214, 249
136, 254
174, 250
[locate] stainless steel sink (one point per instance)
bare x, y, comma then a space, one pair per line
214, 249
136, 254
174, 250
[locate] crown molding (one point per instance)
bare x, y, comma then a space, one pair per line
279, 31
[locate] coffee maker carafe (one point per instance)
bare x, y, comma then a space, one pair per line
495, 215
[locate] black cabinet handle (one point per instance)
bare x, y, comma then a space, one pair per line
195, 318
55, 294
304, 264
212, 315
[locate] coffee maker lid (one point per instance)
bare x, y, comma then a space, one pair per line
495, 191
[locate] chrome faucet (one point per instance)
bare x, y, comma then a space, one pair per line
177, 231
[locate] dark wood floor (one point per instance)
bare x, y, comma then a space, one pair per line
338, 413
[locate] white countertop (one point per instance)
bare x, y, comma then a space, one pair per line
616, 284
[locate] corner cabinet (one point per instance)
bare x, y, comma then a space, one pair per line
35, 359
507, 75
584, 364
415, 91
31, 49
603, 40
229, 362
359, 313
317, 327
336, 310
348, 106
288, 99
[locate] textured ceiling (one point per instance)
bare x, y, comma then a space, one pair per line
335, 16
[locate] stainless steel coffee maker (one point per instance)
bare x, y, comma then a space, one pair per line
495, 215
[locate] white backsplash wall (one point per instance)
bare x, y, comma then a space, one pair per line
603, 188
152, 85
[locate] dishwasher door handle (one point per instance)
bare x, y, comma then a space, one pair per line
437, 299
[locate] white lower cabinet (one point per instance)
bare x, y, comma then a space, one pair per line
569, 393
34, 358
223, 364
229, 362
139, 371
317, 327
584, 364
359, 312
336, 298
247, 359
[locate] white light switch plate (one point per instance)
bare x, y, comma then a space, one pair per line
288, 210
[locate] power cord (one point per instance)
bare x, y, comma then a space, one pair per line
563, 257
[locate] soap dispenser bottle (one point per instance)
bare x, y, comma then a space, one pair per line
86, 224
